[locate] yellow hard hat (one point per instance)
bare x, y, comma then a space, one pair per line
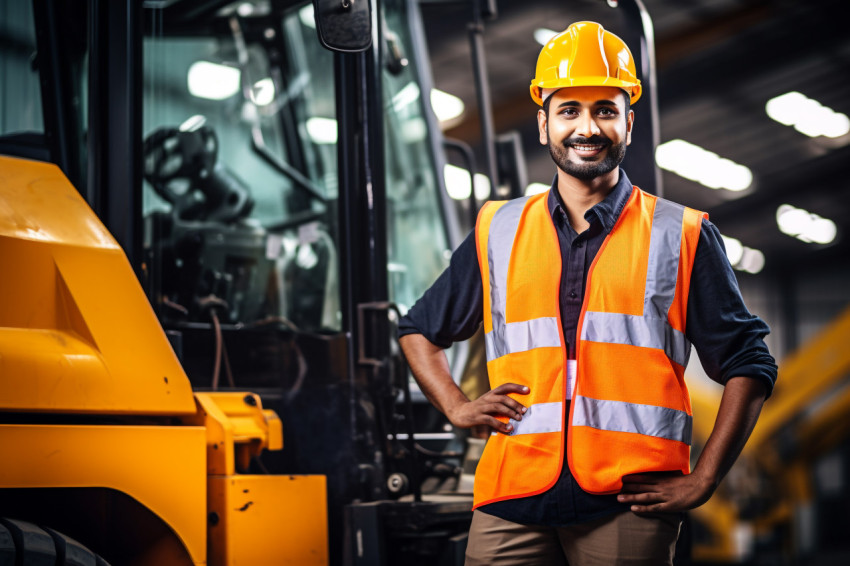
585, 55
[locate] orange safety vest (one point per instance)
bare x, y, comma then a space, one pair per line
630, 409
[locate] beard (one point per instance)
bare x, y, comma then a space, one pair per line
587, 169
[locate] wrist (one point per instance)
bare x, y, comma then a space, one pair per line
708, 480
452, 408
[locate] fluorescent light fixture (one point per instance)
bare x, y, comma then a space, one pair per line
212, 80
741, 257
406, 96
752, 261
705, 167
805, 225
262, 93
446, 106
307, 16
536, 189
482, 186
245, 9
807, 116
543, 35
322, 131
458, 182
734, 249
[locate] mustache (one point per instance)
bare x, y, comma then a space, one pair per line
592, 140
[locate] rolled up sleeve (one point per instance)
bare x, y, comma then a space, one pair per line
451, 310
727, 337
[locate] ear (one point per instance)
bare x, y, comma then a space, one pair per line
542, 126
630, 122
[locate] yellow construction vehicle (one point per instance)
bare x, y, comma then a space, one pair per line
210, 212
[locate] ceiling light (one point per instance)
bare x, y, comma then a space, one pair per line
307, 16
212, 80
543, 35
482, 186
322, 131
446, 106
805, 225
703, 166
458, 183
262, 93
752, 261
807, 116
536, 188
741, 257
734, 249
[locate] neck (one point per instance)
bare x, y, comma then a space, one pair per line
579, 195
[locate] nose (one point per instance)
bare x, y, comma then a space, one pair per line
587, 126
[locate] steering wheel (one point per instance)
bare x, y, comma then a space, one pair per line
177, 162
182, 166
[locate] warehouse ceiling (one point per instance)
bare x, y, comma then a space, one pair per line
718, 62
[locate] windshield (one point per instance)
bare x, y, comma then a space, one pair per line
20, 92
240, 173
418, 243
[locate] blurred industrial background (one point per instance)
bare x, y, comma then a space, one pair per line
283, 199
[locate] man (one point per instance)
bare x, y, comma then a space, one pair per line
590, 296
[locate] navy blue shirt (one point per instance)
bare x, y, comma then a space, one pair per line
728, 339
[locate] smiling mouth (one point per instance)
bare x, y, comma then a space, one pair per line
586, 149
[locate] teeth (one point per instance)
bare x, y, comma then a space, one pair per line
586, 147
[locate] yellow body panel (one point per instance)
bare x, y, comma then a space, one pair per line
162, 467
268, 520
77, 334
237, 429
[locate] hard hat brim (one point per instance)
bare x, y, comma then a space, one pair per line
634, 90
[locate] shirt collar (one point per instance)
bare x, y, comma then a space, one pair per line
607, 211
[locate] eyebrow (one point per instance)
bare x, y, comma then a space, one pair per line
597, 103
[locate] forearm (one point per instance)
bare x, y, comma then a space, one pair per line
430, 368
739, 409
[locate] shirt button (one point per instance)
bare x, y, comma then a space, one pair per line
579, 243
573, 294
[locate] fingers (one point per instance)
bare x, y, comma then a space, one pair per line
499, 395
640, 478
506, 388
640, 498
497, 425
637, 487
496, 408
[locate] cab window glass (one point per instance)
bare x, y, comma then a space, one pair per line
240, 170
416, 233
20, 92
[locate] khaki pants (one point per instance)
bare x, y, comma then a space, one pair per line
620, 539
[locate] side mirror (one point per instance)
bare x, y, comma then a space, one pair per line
344, 25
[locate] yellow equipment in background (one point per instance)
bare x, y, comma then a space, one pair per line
769, 497
78, 336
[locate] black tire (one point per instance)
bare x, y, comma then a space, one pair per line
25, 544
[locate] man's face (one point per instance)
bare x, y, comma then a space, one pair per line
587, 130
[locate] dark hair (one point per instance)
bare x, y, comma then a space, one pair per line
626, 98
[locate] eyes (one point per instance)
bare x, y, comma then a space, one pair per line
604, 112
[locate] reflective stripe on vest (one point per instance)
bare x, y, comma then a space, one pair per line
652, 329
619, 416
